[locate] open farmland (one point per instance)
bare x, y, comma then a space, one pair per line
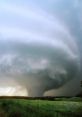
40, 108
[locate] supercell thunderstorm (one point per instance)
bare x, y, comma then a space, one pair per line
36, 49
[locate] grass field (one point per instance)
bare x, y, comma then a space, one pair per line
40, 108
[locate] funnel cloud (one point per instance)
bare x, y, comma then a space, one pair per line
37, 50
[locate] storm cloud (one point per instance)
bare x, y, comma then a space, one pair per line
37, 50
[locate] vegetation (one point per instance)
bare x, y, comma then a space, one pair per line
40, 108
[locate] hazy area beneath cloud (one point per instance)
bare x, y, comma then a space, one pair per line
38, 51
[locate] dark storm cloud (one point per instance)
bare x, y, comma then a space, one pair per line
39, 52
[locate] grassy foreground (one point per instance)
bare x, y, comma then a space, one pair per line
39, 108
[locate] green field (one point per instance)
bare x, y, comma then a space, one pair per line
40, 108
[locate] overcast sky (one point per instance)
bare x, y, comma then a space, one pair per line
35, 37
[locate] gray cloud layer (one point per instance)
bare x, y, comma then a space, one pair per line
39, 62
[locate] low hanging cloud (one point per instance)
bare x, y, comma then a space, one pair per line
37, 50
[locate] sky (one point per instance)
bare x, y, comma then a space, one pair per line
40, 47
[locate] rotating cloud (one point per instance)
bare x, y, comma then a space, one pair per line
41, 56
